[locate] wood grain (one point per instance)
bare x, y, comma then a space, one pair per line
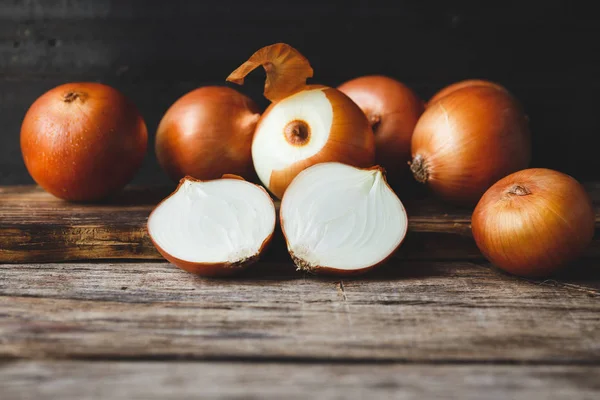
76, 380
438, 312
36, 227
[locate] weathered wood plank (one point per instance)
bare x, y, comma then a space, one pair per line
417, 312
36, 227
176, 380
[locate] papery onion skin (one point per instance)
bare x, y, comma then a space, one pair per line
461, 85
207, 133
211, 270
215, 269
83, 141
467, 141
534, 222
286, 68
393, 110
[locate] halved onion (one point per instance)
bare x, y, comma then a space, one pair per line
213, 228
339, 219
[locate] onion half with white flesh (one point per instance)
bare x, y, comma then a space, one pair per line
339, 219
213, 228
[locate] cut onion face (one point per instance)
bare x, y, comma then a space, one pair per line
213, 228
339, 219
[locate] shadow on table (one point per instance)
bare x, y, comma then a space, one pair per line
286, 270
585, 272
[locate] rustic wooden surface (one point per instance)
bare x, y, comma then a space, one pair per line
75, 380
441, 311
411, 330
418, 327
36, 227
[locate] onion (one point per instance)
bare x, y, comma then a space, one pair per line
213, 228
339, 219
207, 133
533, 222
304, 125
393, 111
83, 141
463, 84
468, 140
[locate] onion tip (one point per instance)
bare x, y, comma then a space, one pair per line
72, 95
519, 190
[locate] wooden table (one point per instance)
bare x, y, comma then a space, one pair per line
427, 324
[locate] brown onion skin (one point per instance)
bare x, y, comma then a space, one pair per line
212, 270
468, 140
393, 110
463, 84
83, 141
534, 222
215, 269
207, 133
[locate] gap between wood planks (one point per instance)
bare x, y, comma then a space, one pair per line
6, 360
125, 380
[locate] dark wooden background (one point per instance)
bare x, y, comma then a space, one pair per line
546, 52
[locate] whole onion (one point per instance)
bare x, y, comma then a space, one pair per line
83, 141
533, 222
460, 85
469, 139
207, 133
393, 110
